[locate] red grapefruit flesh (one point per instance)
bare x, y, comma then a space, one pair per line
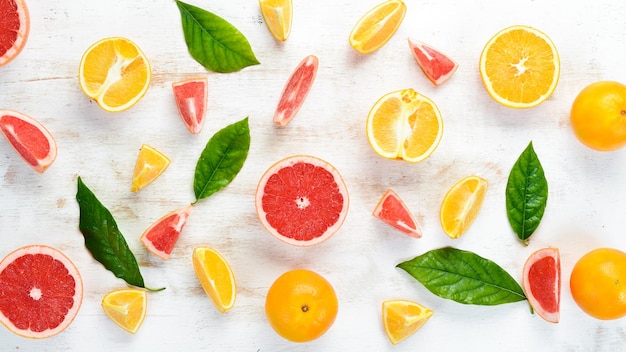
541, 280
160, 238
392, 210
191, 98
29, 138
14, 29
436, 66
296, 90
41, 291
302, 200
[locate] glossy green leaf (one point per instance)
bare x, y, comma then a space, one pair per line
222, 159
464, 277
214, 42
526, 194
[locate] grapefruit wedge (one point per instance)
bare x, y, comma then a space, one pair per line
392, 210
191, 98
41, 291
14, 29
160, 237
30, 139
541, 281
296, 90
436, 65
302, 200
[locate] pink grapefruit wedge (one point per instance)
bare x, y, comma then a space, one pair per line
302, 200
436, 65
160, 238
392, 210
296, 90
41, 291
191, 99
29, 138
14, 29
541, 280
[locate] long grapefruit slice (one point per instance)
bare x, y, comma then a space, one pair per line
392, 210
14, 29
160, 237
296, 90
541, 280
32, 141
437, 66
41, 291
302, 200
191, 98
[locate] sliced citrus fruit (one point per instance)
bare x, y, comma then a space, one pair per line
404, 125
32, 141
41, 291
402, 318
14, 29
436, 65
461, 205
215, 276
277, 15
115, 73
160, 237
296, 90
126, 307
541, 280
302, 200
377, 26
150, 164
520, 67
191, 99
392, 210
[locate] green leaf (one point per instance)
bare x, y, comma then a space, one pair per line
526, 194
103, 238
213, 42
464, 277
222, 159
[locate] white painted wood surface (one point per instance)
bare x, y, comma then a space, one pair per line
587, 192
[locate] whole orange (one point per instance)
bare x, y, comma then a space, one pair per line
598, 283
598, 116
301, 305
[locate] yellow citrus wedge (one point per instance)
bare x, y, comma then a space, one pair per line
277, 15
377, 26
150, 164
520, 67
404, 125
402, 318
115, 73
126, 307
461, 204
215, 276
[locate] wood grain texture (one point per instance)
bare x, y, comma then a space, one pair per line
586, 189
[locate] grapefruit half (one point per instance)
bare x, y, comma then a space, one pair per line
392, 210
14, 29
302, 200
41, 291
160, 237
437, 66
191, 98
296, 90
541, 280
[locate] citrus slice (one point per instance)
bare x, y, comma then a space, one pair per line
296, 90
215, 276
150, 164
404, 125
191, 98
402, 318
520, 67
41, 291
436, 65
461, 205
115, 73
392, 210
126, 307
541, 280
277, 15
30, 139
377, 26
160, 237
14, 29
302, 200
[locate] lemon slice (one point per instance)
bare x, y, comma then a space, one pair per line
215, 276
461, 204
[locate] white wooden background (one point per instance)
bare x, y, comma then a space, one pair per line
587, 192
